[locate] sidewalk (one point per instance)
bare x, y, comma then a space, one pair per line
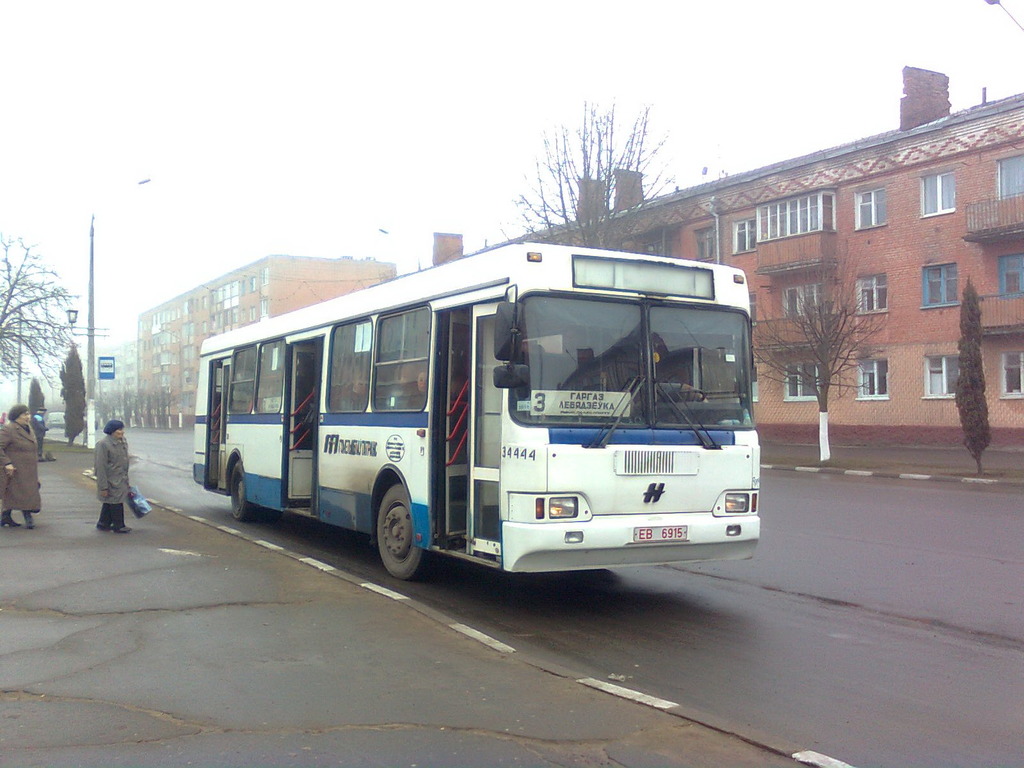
1001, 467
181, 644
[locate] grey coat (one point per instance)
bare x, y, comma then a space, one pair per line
18, 447
112, 470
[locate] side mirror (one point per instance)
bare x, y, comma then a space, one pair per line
511, 376
506, 332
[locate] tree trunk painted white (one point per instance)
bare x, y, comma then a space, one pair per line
824, 454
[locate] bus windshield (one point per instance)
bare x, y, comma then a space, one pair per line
595, 361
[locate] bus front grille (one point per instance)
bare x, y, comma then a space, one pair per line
645, 463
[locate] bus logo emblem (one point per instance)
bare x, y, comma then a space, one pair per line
653, 493
395, 448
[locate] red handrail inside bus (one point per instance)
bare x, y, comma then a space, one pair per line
460, 402
297, 441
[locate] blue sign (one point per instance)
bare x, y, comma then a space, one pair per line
106, 367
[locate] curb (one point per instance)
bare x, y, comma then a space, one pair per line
898, 476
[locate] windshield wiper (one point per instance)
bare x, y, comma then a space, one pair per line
702, 432
605, 433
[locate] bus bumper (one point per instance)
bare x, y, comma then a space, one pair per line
607, 541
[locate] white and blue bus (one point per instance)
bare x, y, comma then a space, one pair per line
531, 408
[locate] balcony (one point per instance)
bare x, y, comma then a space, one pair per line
992, 221
815, 249
1002, 314
780, 333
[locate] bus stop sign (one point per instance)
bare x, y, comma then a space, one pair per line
105, 367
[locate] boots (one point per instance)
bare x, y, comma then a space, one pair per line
28, 520
6, 519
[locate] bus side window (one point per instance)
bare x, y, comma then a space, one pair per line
270, 389
400, 376
243, 381
350, 367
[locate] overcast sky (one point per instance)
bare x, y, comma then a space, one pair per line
305, 128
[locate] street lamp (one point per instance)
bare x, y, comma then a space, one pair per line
90, 333
1007, 12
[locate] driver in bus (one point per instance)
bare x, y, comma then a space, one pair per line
674, 369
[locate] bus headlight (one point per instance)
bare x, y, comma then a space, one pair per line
737, 503
561, 507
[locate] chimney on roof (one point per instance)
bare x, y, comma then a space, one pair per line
926, 97
629, 189
446, 248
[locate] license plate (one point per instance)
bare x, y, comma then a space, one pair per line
660, 533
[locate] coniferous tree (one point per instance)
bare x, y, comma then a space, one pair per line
36, 399
73, 393
970, 386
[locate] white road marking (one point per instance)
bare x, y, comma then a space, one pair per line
487, 640
627, 693
383, 591
822, 761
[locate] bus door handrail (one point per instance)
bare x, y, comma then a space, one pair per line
459, 402
302, 424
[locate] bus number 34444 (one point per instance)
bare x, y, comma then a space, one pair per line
515, 452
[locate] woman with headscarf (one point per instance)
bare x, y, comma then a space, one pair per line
20, 467
111, 467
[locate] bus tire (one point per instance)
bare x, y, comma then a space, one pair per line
242, 510
395, 535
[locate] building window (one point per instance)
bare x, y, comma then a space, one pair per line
938, 194
744, 236
939, 285
1011, 274
1013, 373
940, 375
871, 209
266, 276
797, 216
706, 244
801, 382
1011, 177
264, 308
874, 379
872, 294
798, 298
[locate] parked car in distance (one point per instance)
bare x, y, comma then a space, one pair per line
55, 422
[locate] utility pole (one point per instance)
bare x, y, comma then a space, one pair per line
90, 386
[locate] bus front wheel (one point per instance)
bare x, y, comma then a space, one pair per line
395, 535
241, 509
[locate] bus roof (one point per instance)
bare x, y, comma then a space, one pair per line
477, 277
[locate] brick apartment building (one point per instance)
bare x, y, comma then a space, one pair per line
910, 214
170, 335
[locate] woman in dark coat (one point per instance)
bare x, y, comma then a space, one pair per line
112, 477
20, 466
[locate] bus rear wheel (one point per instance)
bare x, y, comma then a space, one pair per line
242, 510
395, 536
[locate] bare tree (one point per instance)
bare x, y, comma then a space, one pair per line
33, 310
589, 174
819, 338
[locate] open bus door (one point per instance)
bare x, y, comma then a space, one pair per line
216, 426
301, 426
484, 440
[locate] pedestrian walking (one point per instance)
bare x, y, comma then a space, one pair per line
40, 429
111, 467
20, 467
